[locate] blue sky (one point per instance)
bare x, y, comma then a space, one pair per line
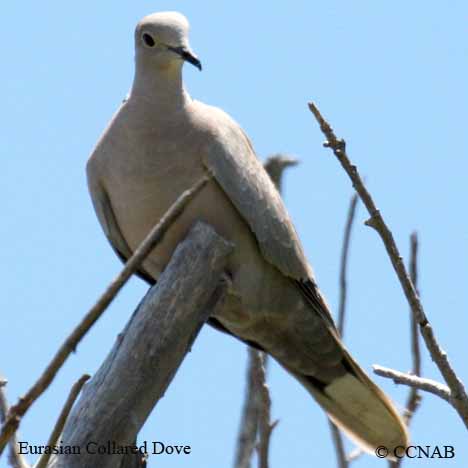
391, 78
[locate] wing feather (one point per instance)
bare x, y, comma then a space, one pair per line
232, 160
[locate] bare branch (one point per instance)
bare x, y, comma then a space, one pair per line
337, 438
355, 454
256, 415
344, 263
414, 397
275, 166
266, 427
117, 401
459, 396
15, 459
58, 428
428, 385
250, 413
17, 411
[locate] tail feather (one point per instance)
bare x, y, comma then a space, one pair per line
358, 407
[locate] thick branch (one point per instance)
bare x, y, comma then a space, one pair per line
17, 411
413, 381
459, 396
117, 401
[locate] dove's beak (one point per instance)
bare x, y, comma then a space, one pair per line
187, 55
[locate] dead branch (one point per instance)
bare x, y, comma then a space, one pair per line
428, 385
414, 397
459, 397
344, 263
265, 426
69, 345
117, 401
59, 425
275, 166
337, 438
250, 413
15, 459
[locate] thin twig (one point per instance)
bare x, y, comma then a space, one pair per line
459, 397
17, 411
58, 428
414, 397
15, 459
414, 326
275, 166
428, 385
337, 438
265, 426
250, 412
356, 453
344, 263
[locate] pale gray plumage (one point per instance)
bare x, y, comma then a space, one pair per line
160, 143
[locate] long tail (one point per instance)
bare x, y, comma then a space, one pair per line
358, 407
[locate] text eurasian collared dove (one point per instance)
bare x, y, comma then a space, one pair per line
158, 144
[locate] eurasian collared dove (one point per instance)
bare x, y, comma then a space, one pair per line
159, 143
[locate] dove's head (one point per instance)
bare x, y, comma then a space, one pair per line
161, 39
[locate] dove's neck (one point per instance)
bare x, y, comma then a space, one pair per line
163, 88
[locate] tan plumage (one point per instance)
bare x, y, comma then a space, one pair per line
158, 144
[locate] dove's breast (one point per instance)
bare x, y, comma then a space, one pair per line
144, 170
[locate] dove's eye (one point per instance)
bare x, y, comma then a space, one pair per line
148, 40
